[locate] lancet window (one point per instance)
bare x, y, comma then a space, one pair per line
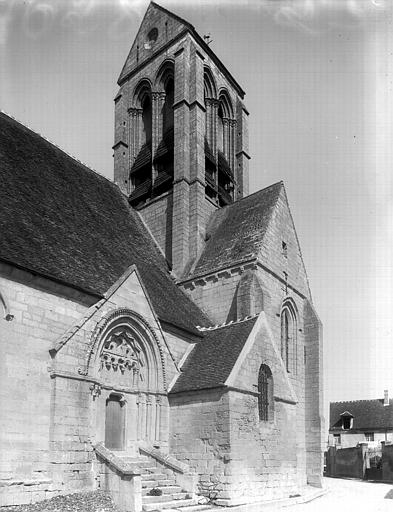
288, 337
265, 394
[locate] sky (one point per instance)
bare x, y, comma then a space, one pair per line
318, 79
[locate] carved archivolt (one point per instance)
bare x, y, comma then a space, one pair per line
120, 348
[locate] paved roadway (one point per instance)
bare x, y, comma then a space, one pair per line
350, 496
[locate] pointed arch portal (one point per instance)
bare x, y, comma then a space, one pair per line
126, 359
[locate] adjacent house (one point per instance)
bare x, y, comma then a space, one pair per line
361, 421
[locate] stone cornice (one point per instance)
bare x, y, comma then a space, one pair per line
101, 384
190, 104
120, 143
236, 268
242, 152
189, 182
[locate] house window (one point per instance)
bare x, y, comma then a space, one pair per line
347, 422
369, 436
337, 439
265, 393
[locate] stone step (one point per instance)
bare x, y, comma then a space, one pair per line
151, 469
149, 484
163, 498
134, 462
198, 508
166, 489
189, 508
154, 476
133, 458
175, 504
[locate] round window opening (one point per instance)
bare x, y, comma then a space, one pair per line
151, 38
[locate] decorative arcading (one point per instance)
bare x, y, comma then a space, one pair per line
105, 322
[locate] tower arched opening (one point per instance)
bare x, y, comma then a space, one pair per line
225, 150
164, 154
141, 145
210, 98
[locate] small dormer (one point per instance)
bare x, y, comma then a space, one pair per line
346, 420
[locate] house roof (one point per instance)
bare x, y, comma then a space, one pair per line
212, 359
236, 232
367, 414
64, 221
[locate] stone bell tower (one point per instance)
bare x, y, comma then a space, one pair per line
181, 137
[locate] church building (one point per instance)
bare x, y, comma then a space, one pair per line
157, 332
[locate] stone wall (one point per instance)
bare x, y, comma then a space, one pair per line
261, 459
199, 436
264, 455
215, 294
271, 254
40, 317
53, 410
270, 455
219, 296
70, 440
313, 355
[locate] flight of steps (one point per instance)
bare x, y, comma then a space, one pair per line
156, 477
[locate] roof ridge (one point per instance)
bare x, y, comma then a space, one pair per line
361, 400
281, 182
87, 167
227, 324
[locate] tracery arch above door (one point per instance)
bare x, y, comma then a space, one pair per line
125, 352
124, 358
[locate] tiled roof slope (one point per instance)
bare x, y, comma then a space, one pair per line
212, 359
236, 232
60, 219
367, 414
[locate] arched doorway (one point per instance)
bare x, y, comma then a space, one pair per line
128, 365
114, 422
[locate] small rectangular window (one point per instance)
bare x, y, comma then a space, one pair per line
369, 436
337, 439
284, 249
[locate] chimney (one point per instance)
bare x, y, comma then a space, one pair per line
386, 397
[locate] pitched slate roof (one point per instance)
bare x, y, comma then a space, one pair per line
236, 232
212, 359
367, 414
62, 220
